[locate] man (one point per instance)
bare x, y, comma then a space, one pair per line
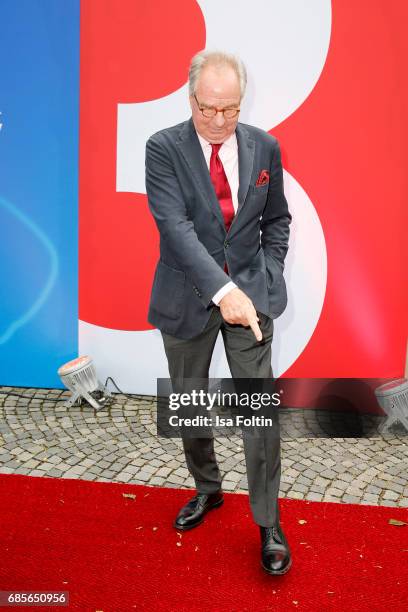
215, 189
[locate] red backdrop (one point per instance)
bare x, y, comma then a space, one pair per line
345, 145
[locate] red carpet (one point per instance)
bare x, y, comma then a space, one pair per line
116, 554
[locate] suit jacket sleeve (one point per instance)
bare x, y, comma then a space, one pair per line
275, 219
168, 208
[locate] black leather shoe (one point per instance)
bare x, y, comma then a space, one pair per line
276, 557
193, 513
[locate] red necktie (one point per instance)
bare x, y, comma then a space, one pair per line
221, 186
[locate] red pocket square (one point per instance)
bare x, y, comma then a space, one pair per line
263, 178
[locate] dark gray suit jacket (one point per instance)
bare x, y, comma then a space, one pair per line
194, 244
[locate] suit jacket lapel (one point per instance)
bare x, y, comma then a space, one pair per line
193, 154
246, 154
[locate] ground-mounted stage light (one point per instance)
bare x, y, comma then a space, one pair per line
393, 399
79, 376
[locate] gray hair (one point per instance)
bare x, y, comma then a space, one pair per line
218, 59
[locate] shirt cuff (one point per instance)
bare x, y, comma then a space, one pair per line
223, 292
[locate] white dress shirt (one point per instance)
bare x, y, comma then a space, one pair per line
228, 155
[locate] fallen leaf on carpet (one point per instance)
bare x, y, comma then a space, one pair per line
397, 523
302, 521
139, 527
196, 548
178, 543
129, 495
155, 528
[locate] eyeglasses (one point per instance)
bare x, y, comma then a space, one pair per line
211, 111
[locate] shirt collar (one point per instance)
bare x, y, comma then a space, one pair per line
231, 142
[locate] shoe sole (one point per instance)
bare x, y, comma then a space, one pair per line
278, 572
188, 527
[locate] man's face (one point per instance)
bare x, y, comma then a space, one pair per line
216, 88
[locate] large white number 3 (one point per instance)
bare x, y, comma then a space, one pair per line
284, 46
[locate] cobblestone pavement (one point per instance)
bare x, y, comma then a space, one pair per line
41, 437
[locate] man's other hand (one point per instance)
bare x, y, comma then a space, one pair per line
237, 309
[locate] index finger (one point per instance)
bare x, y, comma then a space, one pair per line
253, 323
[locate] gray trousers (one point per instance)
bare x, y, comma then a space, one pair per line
247, 358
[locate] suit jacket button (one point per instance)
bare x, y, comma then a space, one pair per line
226, 244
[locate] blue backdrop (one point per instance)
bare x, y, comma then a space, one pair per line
39, 104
